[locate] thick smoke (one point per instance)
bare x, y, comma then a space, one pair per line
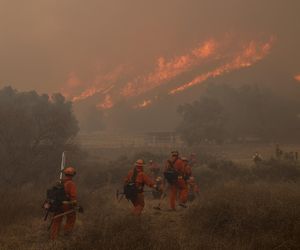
107, 49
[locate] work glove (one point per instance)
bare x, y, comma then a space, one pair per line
73, 203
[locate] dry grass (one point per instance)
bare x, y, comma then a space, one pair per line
258, 216
239, 208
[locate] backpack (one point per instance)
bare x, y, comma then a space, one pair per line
55, 197
171, 175
130, 189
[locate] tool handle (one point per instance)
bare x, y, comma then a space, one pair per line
46, 215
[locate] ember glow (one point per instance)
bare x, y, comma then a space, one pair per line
297, 78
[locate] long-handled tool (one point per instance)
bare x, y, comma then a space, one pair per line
63, 214
163, 195
47, 204
78, 208
62, 166
119, 195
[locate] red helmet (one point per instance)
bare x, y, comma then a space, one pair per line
70, 171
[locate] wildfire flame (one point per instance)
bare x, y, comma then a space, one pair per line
107, 103
102, 84
144, 104
166, 70
228, 53
250, 55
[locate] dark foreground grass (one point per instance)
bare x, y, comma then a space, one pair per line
248, 216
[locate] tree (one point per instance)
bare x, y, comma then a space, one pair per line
224, 112
34, 130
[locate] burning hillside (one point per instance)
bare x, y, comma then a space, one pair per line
210, 59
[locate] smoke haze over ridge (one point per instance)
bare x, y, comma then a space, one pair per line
43, 43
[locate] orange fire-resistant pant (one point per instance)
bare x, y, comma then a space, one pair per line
56, 223
138, 204
179, 188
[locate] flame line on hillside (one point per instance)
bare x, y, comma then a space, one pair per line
111, 89
249, 56
167, 70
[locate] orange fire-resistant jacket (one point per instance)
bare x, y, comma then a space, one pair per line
70, 188
178, 166
141, 179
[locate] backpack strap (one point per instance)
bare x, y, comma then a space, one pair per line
134, 176
171, 164
133, 180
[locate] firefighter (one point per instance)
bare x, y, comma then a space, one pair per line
174, 174
193, 188
184, 185
187, 168
135, 193
278, 152
257, 158
68, 205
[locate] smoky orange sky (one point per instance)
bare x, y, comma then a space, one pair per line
52, 45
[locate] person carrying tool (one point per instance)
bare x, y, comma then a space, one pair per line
183, 183
67, 206
134, 186
193, 188
187, 168
174, 173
